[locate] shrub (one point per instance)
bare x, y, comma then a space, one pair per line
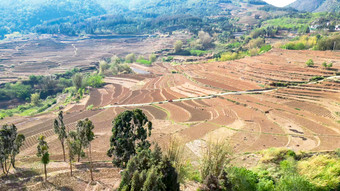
276, 155
152, 58
178, 46
265, 185
310, 63
254, 51
337, 152
265, 48
130, 58
197, 52
95, 81
294, 182
321, 170
144, 62
90, 107
256, 43
258, 33
168, 59
242, 179
35, 99
149, 171
205, 39
215, 157
316, 78
329, 43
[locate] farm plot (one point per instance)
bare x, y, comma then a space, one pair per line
249, 73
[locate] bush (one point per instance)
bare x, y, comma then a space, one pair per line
337, 152
178, 46
316, 78
149, 171
152, 58
197, 52
294, 182
168, 59
90, 107
321, 170
130, 58
215, 157
95, 81
35, 99
310, 63
242, 179
256, 43
276, 155
265, 48
232, 56
329, 43
144, 62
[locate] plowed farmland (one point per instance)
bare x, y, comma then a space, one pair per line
302, 115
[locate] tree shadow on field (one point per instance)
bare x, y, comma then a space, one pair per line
17, 179
61, 188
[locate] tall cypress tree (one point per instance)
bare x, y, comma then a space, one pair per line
60, 130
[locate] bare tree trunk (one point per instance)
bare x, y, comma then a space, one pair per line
63, 147
71, 167
90, 160
45, 172
7, 167
79, 153
13, 161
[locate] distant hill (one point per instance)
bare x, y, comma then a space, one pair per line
74, 17
316, 5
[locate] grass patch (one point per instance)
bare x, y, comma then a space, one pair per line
28, 109
144, 62
90, 107
276, 155
198, 52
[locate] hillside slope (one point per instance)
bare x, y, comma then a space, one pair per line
316, 5
74, 17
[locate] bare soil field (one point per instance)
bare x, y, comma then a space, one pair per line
57, 54
302, 116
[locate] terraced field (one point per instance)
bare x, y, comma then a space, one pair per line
302, 116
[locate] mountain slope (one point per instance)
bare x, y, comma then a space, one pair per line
316, 5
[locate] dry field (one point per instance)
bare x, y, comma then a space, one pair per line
56, 54
300, 117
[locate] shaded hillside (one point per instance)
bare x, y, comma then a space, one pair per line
316, 5
74, 17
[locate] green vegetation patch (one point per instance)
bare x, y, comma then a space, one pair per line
322, 171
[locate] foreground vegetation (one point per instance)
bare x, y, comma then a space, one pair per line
144, 168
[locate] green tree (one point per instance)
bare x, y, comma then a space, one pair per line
73, 146
43, 153
10, 143
95, 81
86, 135
130, 58
77, 81
79, 148
148, 170
60, 130
178, 46
19, 141
129, 134
35, 99
205, 39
